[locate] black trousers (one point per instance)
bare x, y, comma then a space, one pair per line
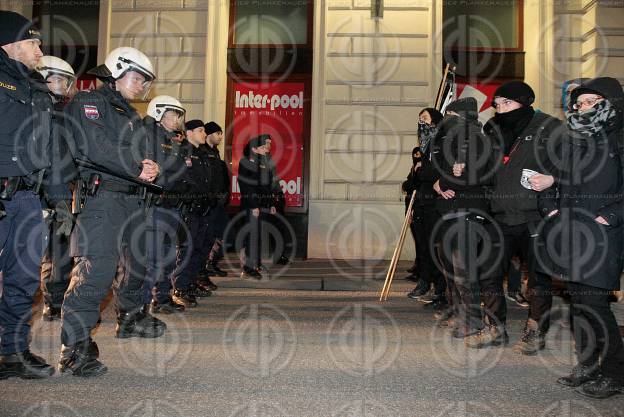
56, 268
109, 249
427, 247
597, 339
507, 241
461, 244
253, 238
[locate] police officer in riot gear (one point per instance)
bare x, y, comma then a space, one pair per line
56, 264
24, 148
165, 117
110, 228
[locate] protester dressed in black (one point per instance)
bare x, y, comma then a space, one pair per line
584, 220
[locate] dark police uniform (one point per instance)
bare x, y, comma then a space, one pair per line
219, 196
255, 178
190, 255
110, 230
164, 219
57, 262
24, 151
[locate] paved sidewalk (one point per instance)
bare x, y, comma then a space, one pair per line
246, 352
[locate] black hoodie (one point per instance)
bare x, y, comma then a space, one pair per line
460, 140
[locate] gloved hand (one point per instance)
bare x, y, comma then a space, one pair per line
2, 210
64, 217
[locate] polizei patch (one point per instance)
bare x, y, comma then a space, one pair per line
91, 112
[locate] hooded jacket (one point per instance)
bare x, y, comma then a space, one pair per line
460, 140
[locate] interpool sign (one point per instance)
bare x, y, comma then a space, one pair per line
278, 110
253, 100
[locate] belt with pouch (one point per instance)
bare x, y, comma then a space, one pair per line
121, 188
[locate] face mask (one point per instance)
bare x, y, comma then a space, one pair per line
426, 133
511, 118
594, 120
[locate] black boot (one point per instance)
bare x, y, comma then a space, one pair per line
139, 324
24, 365
206, 283
214, 270
185, 298
249, 273
603, 387
580, 375
81, 359
199, 291
50, 313
168, 307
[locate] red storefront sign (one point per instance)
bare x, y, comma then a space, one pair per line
86, 83
278, 110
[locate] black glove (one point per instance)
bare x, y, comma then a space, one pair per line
64, 217
2, 210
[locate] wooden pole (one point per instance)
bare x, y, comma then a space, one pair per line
397, 251
441, 89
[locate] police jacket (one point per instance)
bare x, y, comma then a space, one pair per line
108, 131
200, 175
255, 178
62, 170
174, 159
511, 203
220, 180
26, 110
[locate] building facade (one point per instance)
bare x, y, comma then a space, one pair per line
363, 80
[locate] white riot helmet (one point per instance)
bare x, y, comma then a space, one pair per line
123, 59
50, 65
161, 105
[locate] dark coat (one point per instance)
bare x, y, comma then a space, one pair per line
460, 140
510, 202
589, 184
255, 178
26, 109
62, 170
174, 160
107, 130
219, 174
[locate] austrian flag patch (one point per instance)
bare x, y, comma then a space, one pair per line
91, 112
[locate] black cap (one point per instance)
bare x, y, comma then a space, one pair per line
193, 124
464, 106
518, 91
255, 142
212, 127
607, 87
14, 28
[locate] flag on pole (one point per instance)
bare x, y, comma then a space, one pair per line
448, 90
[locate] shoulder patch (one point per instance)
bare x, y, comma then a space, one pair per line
91, 112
